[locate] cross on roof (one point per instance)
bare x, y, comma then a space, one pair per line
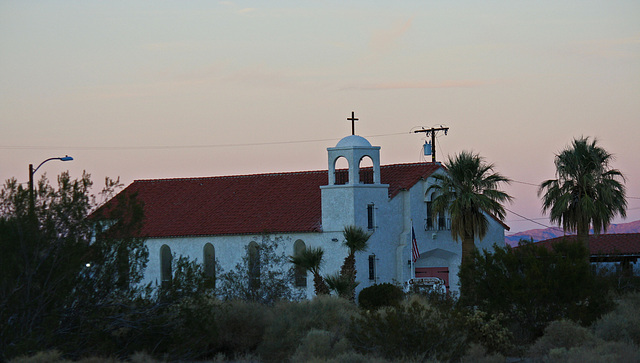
353, 120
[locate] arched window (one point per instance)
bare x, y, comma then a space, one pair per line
209, 258
429, 220
366, 170
300, 272
254, 265
341, 171
165, 265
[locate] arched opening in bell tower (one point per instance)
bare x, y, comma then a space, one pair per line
365, 170
341, 167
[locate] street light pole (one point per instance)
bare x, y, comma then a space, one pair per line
32, 199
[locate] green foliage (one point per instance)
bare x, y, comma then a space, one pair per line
490, 332
412, 330
468, 191
356, 240
566, 341
478, 354
341, 284
561, 334
320, 344
311, 260
241, 326
379, 295
291, 322
188, 281
51, 356
275, 278
601, 352
623, 323
55, 273
587, 191
532, 286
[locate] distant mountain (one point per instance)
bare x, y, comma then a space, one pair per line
548, 233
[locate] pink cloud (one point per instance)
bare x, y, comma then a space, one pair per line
419, 84
383, 41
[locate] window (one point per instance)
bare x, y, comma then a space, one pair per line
442, 221
254, 266
165, 265
372, 267
209, 258
300, 272
429, 220
370, 216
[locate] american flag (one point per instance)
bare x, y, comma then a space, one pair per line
414, 246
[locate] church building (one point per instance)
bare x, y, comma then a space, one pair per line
214, 219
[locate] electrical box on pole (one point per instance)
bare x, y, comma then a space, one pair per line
431, 147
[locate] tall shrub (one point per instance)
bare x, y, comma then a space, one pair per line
532, 286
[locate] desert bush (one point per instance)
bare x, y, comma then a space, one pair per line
290, 322
379, 295
623, 323
601, 352
274, 282
490, 332
413, 330
241, 326
561, 334
50, 356
320, 344
533, 286
195, 329
352, 357
478, 354
142, 357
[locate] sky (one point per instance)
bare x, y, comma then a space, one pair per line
172, 89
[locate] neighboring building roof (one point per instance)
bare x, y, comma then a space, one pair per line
249, 204
605, 244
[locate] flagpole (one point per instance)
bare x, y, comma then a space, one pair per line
413, 267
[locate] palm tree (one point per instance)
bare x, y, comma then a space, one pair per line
587, 191
355, 240
340, 284
310, 259
469, 192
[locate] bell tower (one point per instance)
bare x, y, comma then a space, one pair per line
351, 195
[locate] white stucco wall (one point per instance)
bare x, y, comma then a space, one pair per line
391, 240
229, 251
346, 205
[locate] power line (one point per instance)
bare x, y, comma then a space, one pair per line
529, 219
521, 182
174, 147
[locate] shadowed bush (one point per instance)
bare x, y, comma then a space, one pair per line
413, 330
561, 334
533, 286
291, 322
623, 323
601, 352
490, 332
380, 295
320, 344
241, 326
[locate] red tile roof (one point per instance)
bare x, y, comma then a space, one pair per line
605, 244
248, 204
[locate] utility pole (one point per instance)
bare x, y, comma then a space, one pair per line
432, 131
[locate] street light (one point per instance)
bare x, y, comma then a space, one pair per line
32, 203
